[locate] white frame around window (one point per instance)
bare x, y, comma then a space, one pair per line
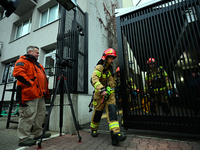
10, 78
3, 14
21, 33
52, 55
48, 12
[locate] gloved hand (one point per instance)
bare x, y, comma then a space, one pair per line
135, 93
22, 104
170, 92
45, 95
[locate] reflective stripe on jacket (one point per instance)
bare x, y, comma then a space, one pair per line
157, 72
99, 78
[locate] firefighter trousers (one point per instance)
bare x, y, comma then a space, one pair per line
157, 99
110, 108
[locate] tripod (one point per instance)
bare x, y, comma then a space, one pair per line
61, 82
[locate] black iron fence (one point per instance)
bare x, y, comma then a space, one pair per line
168, 84
72, 44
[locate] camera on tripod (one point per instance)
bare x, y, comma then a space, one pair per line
63, 62
62, 85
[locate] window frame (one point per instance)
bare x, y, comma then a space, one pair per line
22, 25
2, 14
47, 55
10, 73
48, 14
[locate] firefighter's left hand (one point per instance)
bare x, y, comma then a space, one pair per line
170, 92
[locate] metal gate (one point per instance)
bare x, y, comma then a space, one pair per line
168, 96
72, 45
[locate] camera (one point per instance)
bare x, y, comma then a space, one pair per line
62, 62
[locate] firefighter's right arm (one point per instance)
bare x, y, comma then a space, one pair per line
96, 75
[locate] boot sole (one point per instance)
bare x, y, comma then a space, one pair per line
44, 137
94, 136
40, 138
121, 140
26, 144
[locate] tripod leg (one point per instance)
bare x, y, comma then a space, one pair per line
73, 114
47, 119
61, 104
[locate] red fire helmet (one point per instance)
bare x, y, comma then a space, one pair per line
151, 60
117, 70
109, 52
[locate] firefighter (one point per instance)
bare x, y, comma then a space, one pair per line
157, 86
118, 94
131, 89
103, 80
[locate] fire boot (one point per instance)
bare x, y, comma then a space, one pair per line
117, 137
94, 133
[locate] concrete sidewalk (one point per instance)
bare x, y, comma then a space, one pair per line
136, 140
103, 142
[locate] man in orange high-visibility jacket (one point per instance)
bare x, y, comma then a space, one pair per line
32, 89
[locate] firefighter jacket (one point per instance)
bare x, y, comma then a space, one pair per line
102, 77
28, 87
130, 84
118, 85
157, 81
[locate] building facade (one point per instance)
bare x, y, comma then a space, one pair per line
37, 23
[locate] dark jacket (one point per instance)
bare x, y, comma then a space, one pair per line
194, 82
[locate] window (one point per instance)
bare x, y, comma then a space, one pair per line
49, 63
23, 29
9, 67
2, 14
50, 15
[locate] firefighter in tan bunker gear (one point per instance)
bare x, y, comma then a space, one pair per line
131, 90
103, 81
157, 86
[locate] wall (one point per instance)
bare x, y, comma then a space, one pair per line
41, 37
98, 35
80, 107
83, 110
36, 36
45, 36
